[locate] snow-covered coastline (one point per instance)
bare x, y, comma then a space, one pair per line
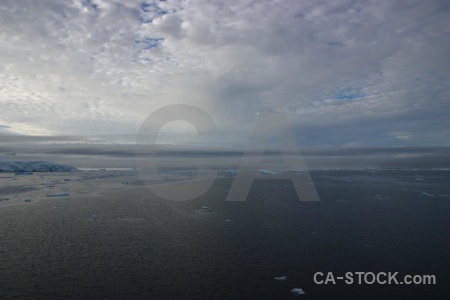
35, 166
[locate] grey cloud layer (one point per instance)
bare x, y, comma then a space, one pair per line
169, 156
347, 73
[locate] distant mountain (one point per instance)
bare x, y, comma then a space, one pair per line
34, 166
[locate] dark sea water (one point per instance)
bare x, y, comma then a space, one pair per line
132, 245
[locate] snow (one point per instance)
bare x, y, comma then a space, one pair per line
34, 166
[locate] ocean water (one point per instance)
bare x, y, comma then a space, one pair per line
132, 245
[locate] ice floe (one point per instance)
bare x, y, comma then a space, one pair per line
281, 278
426, 194
297, 291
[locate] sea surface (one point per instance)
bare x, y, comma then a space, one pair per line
130, 244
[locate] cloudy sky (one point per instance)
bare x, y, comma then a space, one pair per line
346, 73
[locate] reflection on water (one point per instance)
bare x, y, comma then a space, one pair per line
141, 247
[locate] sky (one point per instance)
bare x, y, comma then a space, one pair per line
345, 73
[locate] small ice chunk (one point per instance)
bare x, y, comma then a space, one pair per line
228, 220
343, 200
24, 173
266, 171
231, 171
57, 195
204, 209
72, 179
95, 217
426, 194
280, 278
297, 291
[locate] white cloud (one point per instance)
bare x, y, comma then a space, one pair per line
100, 67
